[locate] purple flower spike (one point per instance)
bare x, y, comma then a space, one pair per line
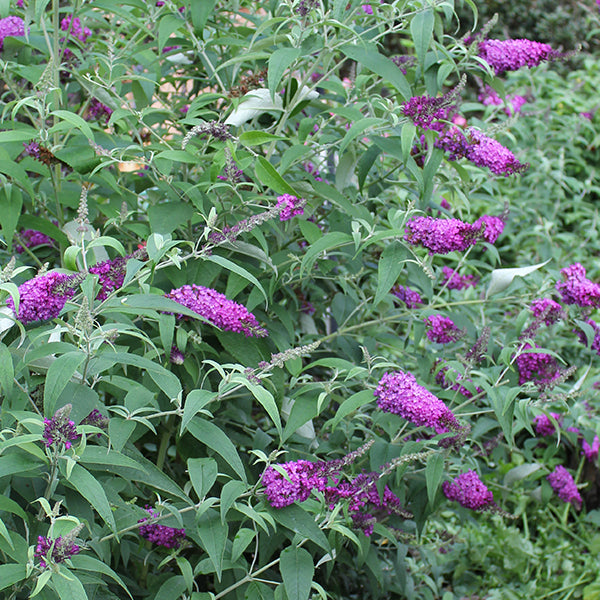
564, 486
410, 297
576, 288
441, 330
469, 491
217, 309
453, 281
11, 27
60, 549
30, 238
290, 206
161, 535
441, 236
591, 452
547, 309
399, 393
493, 227
511, 55
43, 297
540, 368
426, 111
60, 429
301, 477
545, 426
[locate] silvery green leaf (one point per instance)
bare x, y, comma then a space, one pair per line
502, 278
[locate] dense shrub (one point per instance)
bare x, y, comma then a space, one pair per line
286, 317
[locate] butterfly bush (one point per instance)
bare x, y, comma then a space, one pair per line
277, 170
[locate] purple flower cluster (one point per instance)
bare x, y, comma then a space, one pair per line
492, 228
441, 330
441, 378
73, 25
60, 429
98, 111
481, 150
596, 341
540, 368
231, 172
176, 356
511, 55
312, 170
305, 6
97, 419
469, 491
399, 393
290, 206
365, 505
11, 26
43, 297
367, 9
575, 288
410, 297
453, 281
441, 236
404, 62
512, 105
548, 310
30, 238
545, 426
54, 550
591, 452
427, 112
564, 486
111, 275
161, 535
217, 309
301, 477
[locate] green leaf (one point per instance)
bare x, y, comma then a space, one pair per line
231, 491
407, 137
502, 278
301, 522
87, 485
279, 62
11, 574
166, 218
421, 30
231, 266
353, 403
213, 535
367, 55
119, 431
264, 398
172, 588
203, 474
168, 382
45, 226
357, 129
168, 25
256, 138
7, 371
434, 471
17, 463
67, 586
267, 175
59, 374
11, 203
240, 542
213, 437
84, 562
390, 266
195, 401
200, 11
134, 303
297, 570
75, 120
328, 242
15, 171
99, 457
8, 505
